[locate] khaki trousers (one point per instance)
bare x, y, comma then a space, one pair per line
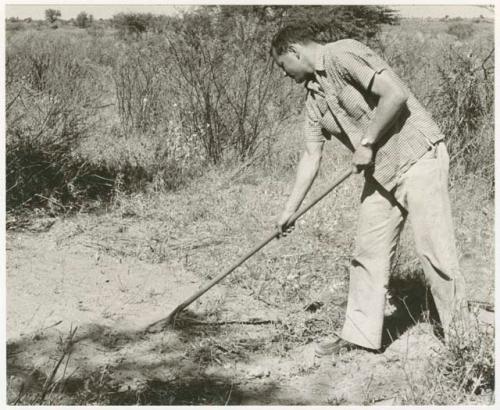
423, 192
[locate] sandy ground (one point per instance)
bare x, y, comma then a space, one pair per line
58, 280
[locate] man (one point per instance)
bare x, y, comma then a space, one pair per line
355, 96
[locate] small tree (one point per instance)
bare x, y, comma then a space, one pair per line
134, 24
51, 15
84, 20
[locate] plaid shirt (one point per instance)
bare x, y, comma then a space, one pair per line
339, 102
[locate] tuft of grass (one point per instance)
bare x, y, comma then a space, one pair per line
462, 373
41, 389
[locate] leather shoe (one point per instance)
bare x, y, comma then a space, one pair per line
334, 347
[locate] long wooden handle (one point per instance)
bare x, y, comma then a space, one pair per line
240, 261
334, 185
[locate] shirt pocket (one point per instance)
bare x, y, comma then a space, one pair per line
321, 104
353, 103
329, 124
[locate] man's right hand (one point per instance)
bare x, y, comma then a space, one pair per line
282, 223
305, 175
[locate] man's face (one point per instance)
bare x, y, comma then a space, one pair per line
292, 65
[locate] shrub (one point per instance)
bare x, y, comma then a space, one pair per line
224, 82
464, 108
215, 89
216, 64
199, 87
336, 22
139, 88
151, 119
84, 20
456, 86
460, 30
14, 25
52, 15
51, 100
132, 24
205, 81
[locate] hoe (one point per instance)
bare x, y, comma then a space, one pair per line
170, 319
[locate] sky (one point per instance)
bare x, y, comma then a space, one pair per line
69, 9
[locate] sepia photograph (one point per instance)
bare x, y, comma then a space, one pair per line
267, 204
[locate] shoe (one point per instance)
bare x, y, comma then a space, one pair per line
329, 347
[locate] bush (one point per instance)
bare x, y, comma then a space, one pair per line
215, 87
460, 30
52, 15
223, 83
333, 23
132, 24
61, 91
151, 120
464, 104
215, 61
15, 25
148, 160
205, 81
456, 85
140, 88
84, 20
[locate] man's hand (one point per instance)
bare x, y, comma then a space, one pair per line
362, 158
305, 175
282, 223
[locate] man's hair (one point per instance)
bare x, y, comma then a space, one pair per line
292, 33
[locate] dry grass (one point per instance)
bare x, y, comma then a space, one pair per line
463, 373
219, 220
212, 221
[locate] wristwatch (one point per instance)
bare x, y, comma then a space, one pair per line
365, 142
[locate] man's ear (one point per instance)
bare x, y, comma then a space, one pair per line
292, 48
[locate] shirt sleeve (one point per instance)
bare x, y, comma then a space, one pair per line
312, 127
359, 64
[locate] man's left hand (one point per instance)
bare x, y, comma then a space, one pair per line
362, 158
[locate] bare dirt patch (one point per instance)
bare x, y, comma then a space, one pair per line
231, 347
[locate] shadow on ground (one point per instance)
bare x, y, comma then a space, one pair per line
107, 366
413, 304
168, 368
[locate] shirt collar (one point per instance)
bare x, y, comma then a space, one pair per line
319, 59
319, 65
313, 85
